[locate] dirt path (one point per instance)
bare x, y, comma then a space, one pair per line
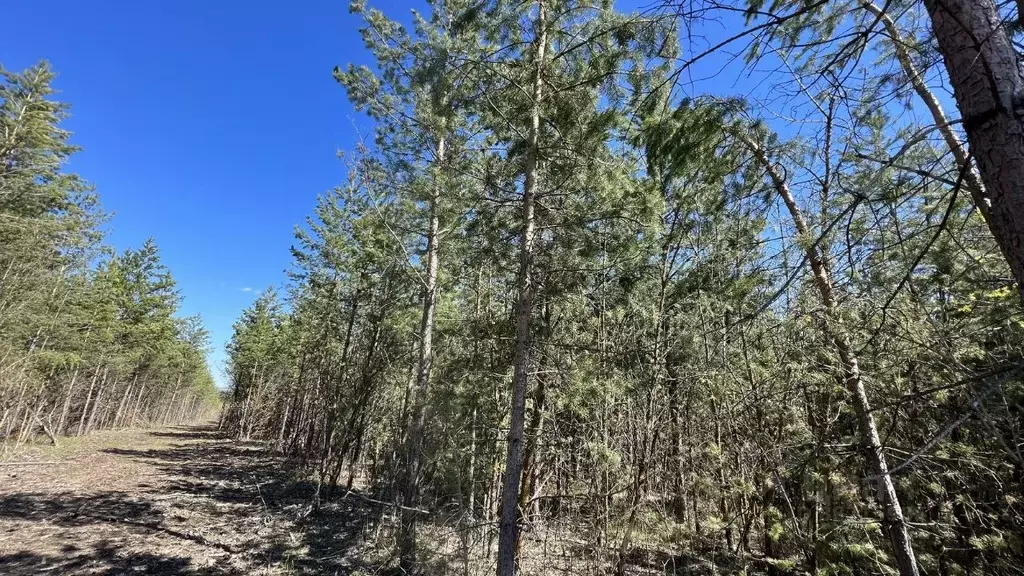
169, 501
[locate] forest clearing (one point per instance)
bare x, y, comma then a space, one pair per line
709, 287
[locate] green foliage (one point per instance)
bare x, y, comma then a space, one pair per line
90, 339
687, 393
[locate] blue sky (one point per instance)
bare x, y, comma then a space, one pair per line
211, 125
208, 125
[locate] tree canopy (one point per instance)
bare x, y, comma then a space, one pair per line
89, 338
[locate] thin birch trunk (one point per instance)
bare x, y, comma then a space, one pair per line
97, 403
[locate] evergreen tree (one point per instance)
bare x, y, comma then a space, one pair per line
89, 340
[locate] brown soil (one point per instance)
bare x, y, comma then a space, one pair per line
171, 501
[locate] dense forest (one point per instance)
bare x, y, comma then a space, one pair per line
89, 338
575, 310
568, 316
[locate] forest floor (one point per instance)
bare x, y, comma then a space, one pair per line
188, 501
170, 501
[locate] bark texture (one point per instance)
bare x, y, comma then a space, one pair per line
984, 71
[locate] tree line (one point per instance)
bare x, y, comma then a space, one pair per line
566, 316
89, 337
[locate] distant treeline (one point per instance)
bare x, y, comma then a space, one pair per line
89, 338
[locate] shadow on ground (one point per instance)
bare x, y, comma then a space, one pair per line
232, 506
102, 559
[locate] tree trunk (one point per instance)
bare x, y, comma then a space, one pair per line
170, 403
357, 451
124, 401
284, 426
471, 473
985, 73
88, 397
835, 332
636, 491
529, 476
971, 179
414, 438
723, 486
138, 403
67, 403
508, 529
97, 404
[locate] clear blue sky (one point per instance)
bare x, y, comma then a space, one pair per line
210, 125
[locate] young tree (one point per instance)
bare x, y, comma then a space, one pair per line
417, 99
